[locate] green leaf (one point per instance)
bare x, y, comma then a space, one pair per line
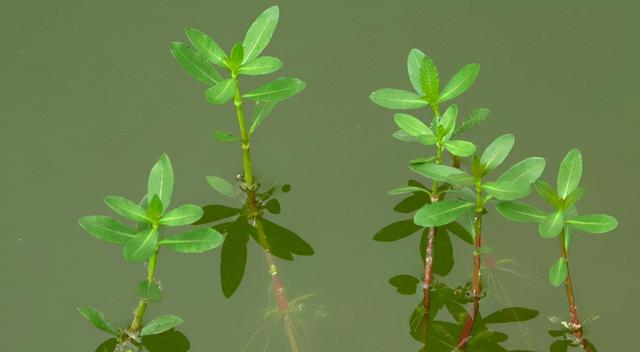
429, 80
397, 99
98, 320
283, 242
570, 173
558, 273
279, 89
442, 173
142, 246
442, 251
215, 212
206, 46
161, 324
237, 54
460, 82
273, 206
404, 284
459, 230
496, 152
412, 203
403, 136
127, 208
552, 224
225, 137
506, 190
476, 117
510, 315
573, 197
221, 92
520, 212
161, 180
261, 66
427, 139
593, 223
414, 61
106, 228
460, 148
259, 33
396, 231
547, 192
261, 110
222, 186
411, 125
448, 122
406, 189
524, 172
233, 257
182, 215
195, 64
155, 208
150, 291
441, 213
196, 241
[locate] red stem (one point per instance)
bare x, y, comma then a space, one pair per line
476, 291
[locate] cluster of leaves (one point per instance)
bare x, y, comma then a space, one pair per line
168, 341
146, 239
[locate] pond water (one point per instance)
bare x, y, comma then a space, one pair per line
91, 98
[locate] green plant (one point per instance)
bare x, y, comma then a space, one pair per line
201, 61
562, 222
144, 243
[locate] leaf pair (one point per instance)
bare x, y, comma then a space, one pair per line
154, 327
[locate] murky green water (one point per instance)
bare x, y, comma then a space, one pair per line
91, 97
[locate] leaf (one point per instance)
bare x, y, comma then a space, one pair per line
411, 125
414, 61
560, 346
460, 148
441, 213
448, 122
150, 291
215, 212
196, 241
406, 189
593, 223
397, 99
127, 208
222, 186
438, 172
98, 320
412, 203
524, 172
237, 54
225, 137
171, 340
573, 197
182, 215
510, 315
277, 90
476, 117
221, 92
570, 173
427, 139
404, 284
206, 46
552, 224
547, 192
558, 272
442, 251
259, 33
261, 66
233, 257
161, 324
273, 206
155, 208
106, 228
403, 136
261, 110
460, 82
496, 152
459, 230
429, 80
108, 346
283, 242
142, 246
195, 64
161, 180
506, 190
520, 212
396, 231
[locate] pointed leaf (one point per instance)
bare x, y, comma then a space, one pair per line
106, 228
196, 241
593, 223
225, 137
460, 148
142, 246
411, 125
510, 315
429, 80
442, 251
261, 66
397, 99
284, 242
260, 32
261, 110
127, 208
273, 206
520, 212
222, 186
150, 291
414, 61
161, 324
506, 190
525, 172
476, 117
98, 320
552, 224
459, 230
206, 46
279, 89
182, 215
215, 212
161, 180
441, 213
221, 92
233, 257
237, 54
448, 121
558, 272
195, 64
460, 82
570, 173
496, 152
403, 136
547, 192
412, 203
396, 231
404, 284
155, 208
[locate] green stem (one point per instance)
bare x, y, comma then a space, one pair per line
136, 324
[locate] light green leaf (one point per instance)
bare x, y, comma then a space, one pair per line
520, 212
161, 180
182, 215
441, 213
552, 224
237, 54
196, 241
195, 64
127, 208
496, 152
142, 246
476, 117
570, 173
161, 324
261, 110
506, 190
279, 89
411, 125
439, 172
207, 46
558, 272
448, 122
573, 197
547, 192
406, 189
404, 136
221, 92
155, 208
222, 186
524, 172
150, 291
429, 80
397, 99
261, 66
593, 223
427, 139
259, 33
460, 148
225, 137
414, 61
98, 320
460, 82
106, 229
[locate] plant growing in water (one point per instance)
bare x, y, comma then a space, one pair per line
152, 217
200, 61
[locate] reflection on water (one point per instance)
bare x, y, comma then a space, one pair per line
168, 341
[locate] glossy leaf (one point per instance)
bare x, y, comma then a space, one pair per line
215, 212
182, 215
279, 89
510, 315
260, 32
206, 46
283, 242
520, 212
98, 320
496, 152
558, 273
142, 246
261, 110
161, 180
460, 82
261, 66
411, 125
161, 324
414, 61
150, 291
397, 230
552, 224
404, 284
460, 148
222, 186
233, 257
547, 192
225, 137
429, 80
397, 99
127, 208
196, 241
441, 213
476, 117
106, 228
593, 223
221, 92
570, 173
195, 64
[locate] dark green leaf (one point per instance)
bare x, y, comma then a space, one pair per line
260, 32
441, 213
106, 229
261, 110
404, 284
570, 173
195, 64
108, 346
413, 202
225, 137
222, 186
142, 246
460, 82
284, 242
279, 89
476, 117
459, 230
411, 125
442, 251
168, 341
261, 66
196, 241
496, 152
520, 212
414, 61
552, 224
460, 148
558, 272
161, 180
396, 231
404, 190
221, 92
273, 206
161, 324
429, 80
182, 215
286, 188
206, 46
593, 223
559, 346
150, 291
510, 315
215, 212
127, 208
233, 257
397, 99
98, 320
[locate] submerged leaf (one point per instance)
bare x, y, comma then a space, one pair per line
397, 230
233, 257
510, 315
215, 212
404, 284
283, 242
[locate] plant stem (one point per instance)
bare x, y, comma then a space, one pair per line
573, 309
136, 324
256, 215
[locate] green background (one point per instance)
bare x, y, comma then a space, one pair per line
90, 97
